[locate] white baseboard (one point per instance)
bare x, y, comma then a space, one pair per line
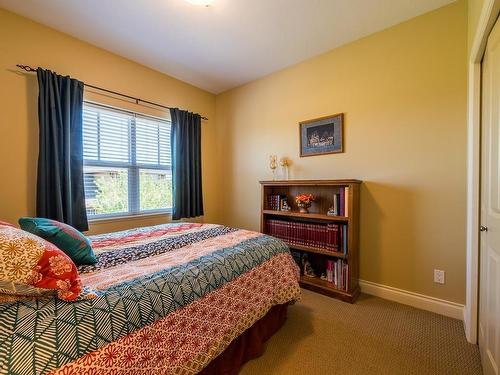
420, 301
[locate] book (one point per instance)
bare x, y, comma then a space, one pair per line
345, 239
336, 204
337, 273
332, 234
346, 201
275, 201
341, 200
329, 271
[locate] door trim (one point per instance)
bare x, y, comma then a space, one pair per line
488, 17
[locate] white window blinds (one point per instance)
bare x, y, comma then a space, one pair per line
127, 162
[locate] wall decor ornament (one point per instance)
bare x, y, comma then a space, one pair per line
324, 135
273, 164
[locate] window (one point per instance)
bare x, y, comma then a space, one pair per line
127, 165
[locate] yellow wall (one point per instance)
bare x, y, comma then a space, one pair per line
26, 42
403, 92
474, 12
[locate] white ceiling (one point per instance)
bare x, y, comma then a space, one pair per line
226, 44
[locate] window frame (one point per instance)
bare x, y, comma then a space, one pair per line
132, 166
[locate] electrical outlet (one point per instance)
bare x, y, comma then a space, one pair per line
439, 276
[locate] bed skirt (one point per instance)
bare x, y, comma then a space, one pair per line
249, 345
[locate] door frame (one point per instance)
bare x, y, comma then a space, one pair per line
488, 16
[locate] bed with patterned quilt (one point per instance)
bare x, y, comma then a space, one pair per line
166, 299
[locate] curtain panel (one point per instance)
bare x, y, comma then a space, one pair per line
60, 189
186, 164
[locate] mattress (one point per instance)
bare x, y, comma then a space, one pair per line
165, 299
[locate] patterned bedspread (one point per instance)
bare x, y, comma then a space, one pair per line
168, 300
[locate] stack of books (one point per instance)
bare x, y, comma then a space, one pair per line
337, 273
340, 201
274, 201
331, 237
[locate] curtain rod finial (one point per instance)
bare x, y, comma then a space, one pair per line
26, 67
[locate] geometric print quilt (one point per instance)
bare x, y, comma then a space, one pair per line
142, 278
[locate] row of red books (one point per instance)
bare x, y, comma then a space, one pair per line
321, 236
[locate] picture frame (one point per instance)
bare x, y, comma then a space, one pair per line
322, 136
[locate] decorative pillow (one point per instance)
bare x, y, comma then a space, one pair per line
31, 266
64, 236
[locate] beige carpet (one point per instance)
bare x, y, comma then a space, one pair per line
373, 336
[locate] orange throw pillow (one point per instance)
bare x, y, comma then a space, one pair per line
31, 266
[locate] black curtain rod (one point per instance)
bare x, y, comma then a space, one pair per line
137, 100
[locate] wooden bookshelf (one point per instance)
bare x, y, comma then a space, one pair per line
323, 191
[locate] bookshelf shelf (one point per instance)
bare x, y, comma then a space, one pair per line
305, 216
316, 250
324, 287
324, 233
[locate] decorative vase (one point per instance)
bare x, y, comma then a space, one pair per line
303, 207
284, 170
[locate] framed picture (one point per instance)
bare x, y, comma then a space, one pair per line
324, 135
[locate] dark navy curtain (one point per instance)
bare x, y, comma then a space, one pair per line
60, 191
186, 164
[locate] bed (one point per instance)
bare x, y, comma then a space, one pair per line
178, 298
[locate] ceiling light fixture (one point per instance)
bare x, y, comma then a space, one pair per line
200, 2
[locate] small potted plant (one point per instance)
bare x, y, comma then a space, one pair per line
304, 202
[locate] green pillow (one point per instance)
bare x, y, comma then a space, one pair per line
65, 237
